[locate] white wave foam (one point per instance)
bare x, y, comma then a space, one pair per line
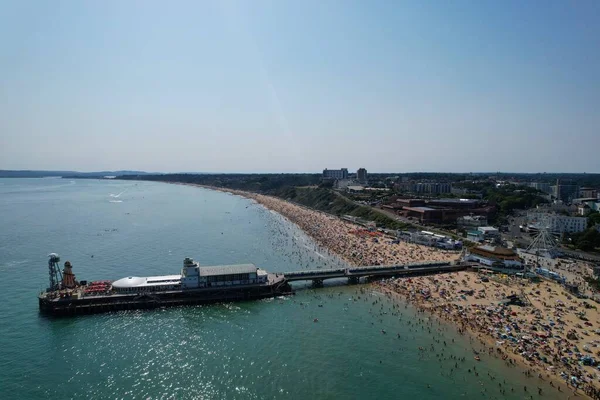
118, 195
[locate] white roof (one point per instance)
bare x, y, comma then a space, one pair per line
487, 228
473, 217
136, 281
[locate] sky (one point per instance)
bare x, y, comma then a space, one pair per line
299, 86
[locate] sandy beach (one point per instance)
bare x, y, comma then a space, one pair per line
552, 338
349, 241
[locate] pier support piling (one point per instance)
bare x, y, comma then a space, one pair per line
317, 282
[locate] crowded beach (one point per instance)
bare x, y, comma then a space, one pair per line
552, 333
349, 241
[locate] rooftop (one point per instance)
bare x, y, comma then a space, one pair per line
496, 250
228, 269
473, 217
356, 188
461, 201
136, 281
420, 209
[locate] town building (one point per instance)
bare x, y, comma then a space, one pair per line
423, 214
343, 184
424, 187
475, 236
410, 202
593, 204
459, 191
584, 210
541, 186
565, 190
495, 257
471, 221
335, 173
563, 223
355, 188
427, 238
556, 223
440, 210
557, 207
587, 192
489, 232
361, 175
462, 204
585, 200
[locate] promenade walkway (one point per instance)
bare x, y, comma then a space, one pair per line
354, 274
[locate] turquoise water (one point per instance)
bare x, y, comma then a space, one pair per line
252, 350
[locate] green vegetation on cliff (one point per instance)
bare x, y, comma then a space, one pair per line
263, 183
326, 200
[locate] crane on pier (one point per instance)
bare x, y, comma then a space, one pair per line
54, 272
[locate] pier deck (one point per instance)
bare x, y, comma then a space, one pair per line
354, 274
276, 285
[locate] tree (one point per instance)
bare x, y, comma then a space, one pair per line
327, 184
588, 240
593, 219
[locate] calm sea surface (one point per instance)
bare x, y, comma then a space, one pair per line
253, 350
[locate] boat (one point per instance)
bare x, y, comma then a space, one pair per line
195, 284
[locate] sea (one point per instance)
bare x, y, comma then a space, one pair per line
336, 342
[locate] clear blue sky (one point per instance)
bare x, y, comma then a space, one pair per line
269, 86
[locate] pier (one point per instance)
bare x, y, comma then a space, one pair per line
202, 285
354, 274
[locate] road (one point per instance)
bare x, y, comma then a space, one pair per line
514, 234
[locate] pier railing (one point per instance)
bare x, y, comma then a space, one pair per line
356, 273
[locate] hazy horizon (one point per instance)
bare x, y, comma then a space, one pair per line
268, 86
350, 170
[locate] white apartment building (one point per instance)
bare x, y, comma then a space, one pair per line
557, 223
335, 173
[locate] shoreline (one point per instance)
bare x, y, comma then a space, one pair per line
451, 312
466, 316
350, 242
476, 338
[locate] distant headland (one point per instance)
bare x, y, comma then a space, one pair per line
65, 174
